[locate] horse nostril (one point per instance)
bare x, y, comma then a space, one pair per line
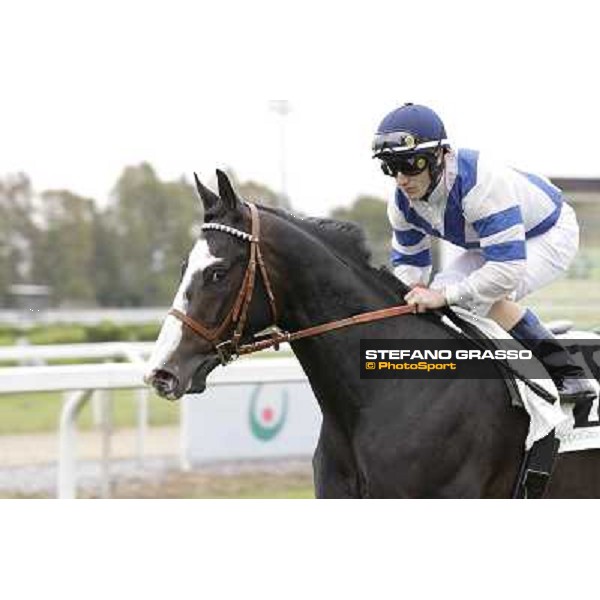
164, 382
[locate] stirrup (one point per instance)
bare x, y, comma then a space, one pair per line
536, 468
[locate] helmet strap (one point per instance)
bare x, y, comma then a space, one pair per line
436, 168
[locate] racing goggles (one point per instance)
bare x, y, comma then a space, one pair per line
397, 142
410, 165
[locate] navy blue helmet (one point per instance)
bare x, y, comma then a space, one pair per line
412, 128
409, 140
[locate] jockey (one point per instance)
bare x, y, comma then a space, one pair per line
518, 232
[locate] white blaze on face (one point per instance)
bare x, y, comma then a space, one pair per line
172, 330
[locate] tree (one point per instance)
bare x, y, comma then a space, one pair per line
66, 251
256, 192
261, 194
19, 232
370, 213
128, 254
106, 274
154, 225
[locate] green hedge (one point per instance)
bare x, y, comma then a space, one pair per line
105, 331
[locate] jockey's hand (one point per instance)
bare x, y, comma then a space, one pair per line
425, 298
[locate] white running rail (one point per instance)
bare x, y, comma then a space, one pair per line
80, 381
134, 352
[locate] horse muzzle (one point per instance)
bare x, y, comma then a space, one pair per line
168, 385
165, 384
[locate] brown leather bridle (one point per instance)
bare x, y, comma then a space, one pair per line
229, 349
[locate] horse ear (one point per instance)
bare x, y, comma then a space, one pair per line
227, 193
209, 199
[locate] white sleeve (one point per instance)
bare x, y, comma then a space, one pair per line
492, 208
411, 249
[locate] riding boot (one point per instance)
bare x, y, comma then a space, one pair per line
570, 378
538, 466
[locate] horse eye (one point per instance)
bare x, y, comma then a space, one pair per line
216, 275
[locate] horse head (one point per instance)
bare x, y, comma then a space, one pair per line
317, 269
218, 294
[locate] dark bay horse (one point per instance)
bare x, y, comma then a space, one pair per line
379, 438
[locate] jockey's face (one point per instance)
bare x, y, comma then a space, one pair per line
414, 186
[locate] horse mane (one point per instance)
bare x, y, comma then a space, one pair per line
349, 242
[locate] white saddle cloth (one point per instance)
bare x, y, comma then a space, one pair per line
543, 416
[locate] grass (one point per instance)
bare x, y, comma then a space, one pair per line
199, 485
576, 300
39, 412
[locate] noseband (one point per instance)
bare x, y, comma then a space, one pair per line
229, 349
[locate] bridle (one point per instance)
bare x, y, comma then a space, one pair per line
231, 348
238, 314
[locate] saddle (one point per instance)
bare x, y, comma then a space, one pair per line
541, 446
553, 428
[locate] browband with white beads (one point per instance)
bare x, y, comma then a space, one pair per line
231, 230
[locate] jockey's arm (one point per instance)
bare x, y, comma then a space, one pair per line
411, 250
496, 217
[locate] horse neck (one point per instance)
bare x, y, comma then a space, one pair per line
316, 285
326, 287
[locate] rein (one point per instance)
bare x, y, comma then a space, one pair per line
282, 336
229, 349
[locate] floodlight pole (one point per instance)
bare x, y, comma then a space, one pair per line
282, 108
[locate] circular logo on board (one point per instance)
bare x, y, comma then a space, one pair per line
268, 413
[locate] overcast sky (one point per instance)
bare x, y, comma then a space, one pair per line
88, 88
